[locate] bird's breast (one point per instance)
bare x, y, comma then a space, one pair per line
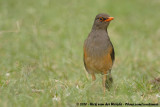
97, 57
97, 47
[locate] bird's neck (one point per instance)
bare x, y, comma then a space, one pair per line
97, 28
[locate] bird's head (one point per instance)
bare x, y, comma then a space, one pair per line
102, 21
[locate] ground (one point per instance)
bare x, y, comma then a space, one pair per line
41, 52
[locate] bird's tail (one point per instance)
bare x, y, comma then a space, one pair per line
109, 82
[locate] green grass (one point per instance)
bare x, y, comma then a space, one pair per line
41, 52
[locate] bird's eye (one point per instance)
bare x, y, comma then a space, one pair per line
101, 19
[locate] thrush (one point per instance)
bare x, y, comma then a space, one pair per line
98, 50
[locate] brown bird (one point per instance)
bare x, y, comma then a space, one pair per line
98, 50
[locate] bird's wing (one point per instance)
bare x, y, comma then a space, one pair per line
112, 55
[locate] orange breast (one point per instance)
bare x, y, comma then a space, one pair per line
100, 64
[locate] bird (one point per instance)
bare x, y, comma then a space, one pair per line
98, 51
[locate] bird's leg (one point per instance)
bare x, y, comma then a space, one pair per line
104, 82
93, 77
